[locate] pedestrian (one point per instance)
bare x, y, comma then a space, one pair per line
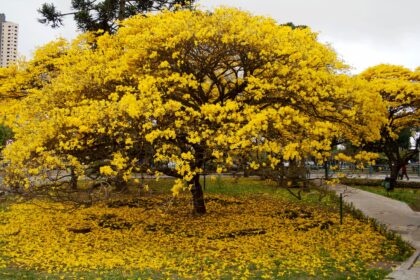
404, 172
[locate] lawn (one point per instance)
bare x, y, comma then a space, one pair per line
252, 231
407, 195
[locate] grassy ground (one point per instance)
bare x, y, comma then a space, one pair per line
253, 230
409, 196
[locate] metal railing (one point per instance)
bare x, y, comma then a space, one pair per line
377, 170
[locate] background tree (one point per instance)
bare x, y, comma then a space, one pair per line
103, 15
400, 91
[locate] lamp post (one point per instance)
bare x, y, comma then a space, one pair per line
415, 145
418, 165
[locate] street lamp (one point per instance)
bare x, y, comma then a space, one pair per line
415, 145
418, 164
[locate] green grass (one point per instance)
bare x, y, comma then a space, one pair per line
10, 274
409, 196
217, 184
17, 274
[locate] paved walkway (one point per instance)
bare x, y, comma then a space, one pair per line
397, 216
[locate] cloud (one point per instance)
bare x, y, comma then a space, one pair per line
363, 32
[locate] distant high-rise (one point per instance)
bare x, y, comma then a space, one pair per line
8, 41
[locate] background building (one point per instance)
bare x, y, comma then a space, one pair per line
8, 41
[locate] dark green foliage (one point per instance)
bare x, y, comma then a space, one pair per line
50, 15
103, 15
293, 26
404, 138
5, 134
377, 183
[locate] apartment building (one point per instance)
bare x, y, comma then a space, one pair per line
8, 41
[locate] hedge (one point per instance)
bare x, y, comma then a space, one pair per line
377, 183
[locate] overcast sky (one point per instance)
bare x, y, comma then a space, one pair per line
363, 32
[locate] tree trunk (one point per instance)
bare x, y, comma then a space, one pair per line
246, 171
73, 179
326, 170
120, 184
395, 168
282, 185
121, 13
199, 207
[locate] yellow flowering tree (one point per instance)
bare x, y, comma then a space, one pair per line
186, 88
400, 91
23, 78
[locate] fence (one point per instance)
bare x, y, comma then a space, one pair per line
373, 171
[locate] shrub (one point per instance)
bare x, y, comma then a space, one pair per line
377, 183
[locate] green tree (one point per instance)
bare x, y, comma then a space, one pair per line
95, 15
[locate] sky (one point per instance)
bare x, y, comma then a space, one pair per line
364, 33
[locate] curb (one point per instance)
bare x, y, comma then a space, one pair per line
404, 271
408, 264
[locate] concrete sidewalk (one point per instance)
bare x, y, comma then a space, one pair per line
397, 216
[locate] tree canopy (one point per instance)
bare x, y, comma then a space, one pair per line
175, 90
